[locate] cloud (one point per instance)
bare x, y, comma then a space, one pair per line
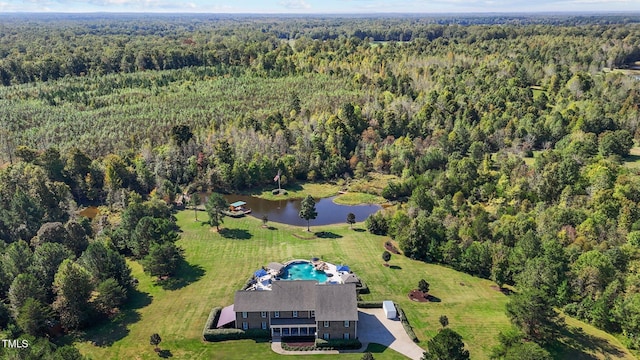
295, 4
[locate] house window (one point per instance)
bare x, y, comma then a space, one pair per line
313, 313
244, 314
245, 325
325, 336
295, 314
346, 323
326, 324
276, 314
264, 325
263, 314
346, 336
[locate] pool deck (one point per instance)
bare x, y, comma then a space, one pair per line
333, 275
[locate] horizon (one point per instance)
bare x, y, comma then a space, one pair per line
324, 7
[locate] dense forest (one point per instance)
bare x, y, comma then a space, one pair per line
510, 138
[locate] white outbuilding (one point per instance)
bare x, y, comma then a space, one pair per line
389, 309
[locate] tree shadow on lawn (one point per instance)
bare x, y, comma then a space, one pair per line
186, 274
359, 230
395, 267
238, 234
105, 334
574, 343
327, 235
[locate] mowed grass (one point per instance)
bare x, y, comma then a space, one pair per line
219, 264
633, 160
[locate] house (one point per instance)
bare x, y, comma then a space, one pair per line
300, 308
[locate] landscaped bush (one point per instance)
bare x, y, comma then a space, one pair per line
338, 344
405, 323
370, 304
235, 334
248, 283
212, 320
362, 288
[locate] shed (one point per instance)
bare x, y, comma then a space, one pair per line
389, 309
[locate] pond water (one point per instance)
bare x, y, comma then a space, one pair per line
286, 211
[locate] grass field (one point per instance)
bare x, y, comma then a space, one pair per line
219, 263
633, 160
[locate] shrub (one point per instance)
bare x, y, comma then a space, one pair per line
214, 335
370, 304
338, 344
405, 324
377, 224
212, 320
362, 288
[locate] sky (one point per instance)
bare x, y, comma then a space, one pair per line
320, 6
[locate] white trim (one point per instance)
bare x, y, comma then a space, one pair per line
263, 314
244, 314
326, 324
276, 314
295, 313
346, 323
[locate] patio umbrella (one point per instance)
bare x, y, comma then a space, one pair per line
260, 273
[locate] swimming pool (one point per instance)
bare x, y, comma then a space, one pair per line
303, 271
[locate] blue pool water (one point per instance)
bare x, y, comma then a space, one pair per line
303, 271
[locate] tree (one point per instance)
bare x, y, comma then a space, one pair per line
512, 347
155, 341
351, 219
214, 206
377, 224
368, 356
423, 286
110, 296
16, 259
46, 260
308, 209
194, 201
265, 220
24, 287
446, 345
163, 259
34, 317
532, 312
73, 289
444, 321
386, 256
103, 263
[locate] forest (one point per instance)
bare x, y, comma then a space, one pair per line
512, 140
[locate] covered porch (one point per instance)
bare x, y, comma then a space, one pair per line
293, 327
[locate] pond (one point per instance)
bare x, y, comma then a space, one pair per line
286, 211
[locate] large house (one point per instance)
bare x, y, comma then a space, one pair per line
300, 308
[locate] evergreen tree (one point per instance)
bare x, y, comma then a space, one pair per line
446, 345
308, 209
214, 206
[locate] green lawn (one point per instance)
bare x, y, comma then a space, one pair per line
633, 160
220, 263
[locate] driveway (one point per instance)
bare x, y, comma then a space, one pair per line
374, 327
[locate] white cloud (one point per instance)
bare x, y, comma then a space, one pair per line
295, 4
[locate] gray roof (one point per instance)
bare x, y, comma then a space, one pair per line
283, 296
349, 278
336, 302
331, 302
275, 266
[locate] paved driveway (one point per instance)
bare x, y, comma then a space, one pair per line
374, 327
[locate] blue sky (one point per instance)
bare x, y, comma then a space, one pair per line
320, 6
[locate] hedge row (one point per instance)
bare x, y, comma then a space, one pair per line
235, 334
212, 320
362, 288
338, 344
405, 324
370, 304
